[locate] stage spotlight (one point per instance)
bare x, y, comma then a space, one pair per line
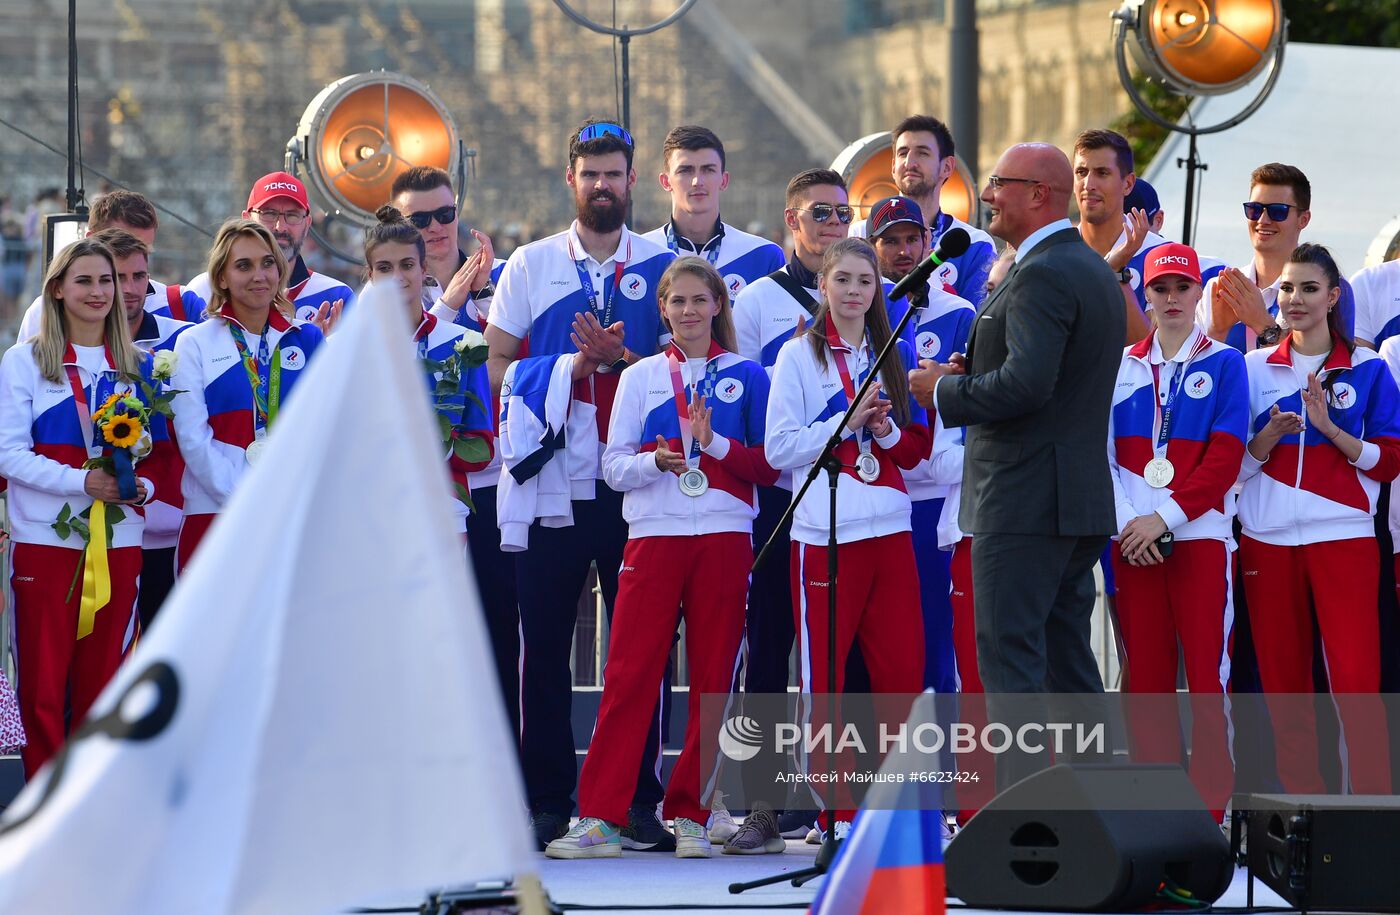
1204, 47
1199, 47
866, 167
1386, 245
363, 131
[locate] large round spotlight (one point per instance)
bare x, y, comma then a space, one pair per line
867, 166
1386, 245
363, 131
1205, 47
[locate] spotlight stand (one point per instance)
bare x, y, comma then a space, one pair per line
1125, 20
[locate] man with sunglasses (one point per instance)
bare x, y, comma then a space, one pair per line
460, 286
589, 292
1240, 307
278, 201
922, 161
695, 177
767, 313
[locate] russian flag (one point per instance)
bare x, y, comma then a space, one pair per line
891, 862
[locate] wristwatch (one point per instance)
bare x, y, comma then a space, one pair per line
485, 292
614, 367
1270, 336
1125, 276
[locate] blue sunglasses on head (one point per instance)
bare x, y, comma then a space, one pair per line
598, 131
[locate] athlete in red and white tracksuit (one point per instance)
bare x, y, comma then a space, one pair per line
877, 584
1325, 436
685, 448
875, 549
44, 441
686, 557
1175, 443
877, 587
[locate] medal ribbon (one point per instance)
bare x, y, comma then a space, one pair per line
839, 350
689, 446
264, 376
1162, 418
97, 574
605, 316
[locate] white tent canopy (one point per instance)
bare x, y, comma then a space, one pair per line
1334, 115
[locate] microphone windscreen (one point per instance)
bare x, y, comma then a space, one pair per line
954, 243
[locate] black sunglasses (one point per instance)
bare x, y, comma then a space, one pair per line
424, 218
1278, 212
821, 212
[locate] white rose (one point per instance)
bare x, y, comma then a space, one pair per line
163, 367
469, 340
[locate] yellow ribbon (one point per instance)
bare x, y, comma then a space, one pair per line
97, 577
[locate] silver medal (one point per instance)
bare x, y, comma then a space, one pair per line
867, 467
1158, 473
254, 450
694, 483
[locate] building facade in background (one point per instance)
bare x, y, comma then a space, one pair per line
188, 102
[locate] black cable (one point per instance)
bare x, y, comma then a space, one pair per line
77, 122
105, 177
617, 80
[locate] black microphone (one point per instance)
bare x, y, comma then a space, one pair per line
954, 243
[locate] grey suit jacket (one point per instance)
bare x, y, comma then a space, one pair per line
1042, 357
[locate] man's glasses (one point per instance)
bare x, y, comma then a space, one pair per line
424, 218
1278, 212
269, 217
821, 212
997, 182
598, 131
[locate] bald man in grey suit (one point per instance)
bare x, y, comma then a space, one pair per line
1034, 392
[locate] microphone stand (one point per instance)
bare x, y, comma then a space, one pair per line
829, 462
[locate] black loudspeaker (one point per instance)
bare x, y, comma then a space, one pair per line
1326, 852
1063, 839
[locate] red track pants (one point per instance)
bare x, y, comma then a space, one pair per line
55, 667
192, 531
1336, 581
705, 580
1187, 599
972, 796
877, 603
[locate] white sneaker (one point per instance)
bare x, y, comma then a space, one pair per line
590, 838
722, 825
843, 828
691, 841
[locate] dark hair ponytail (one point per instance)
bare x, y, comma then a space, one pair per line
391, 226
1321, 258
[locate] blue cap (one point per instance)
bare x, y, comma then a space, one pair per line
1143, 197
893, 210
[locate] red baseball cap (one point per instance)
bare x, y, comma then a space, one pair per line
277, 184
1171, 259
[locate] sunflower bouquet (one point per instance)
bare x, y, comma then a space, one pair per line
123, 424
449, 401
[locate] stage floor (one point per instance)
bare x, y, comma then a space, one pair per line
671, 884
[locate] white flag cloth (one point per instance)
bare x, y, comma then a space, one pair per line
339, 734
